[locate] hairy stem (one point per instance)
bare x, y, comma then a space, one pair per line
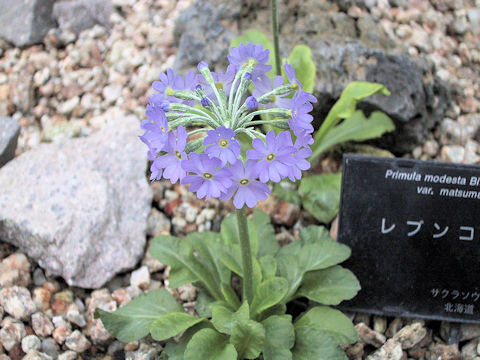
246, 255
275, 37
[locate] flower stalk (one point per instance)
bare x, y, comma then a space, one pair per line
275, 38
246, 251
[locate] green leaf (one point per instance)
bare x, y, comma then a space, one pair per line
324, 253
231, 257
230, 295
257, 37
289, 267
208, 344
132, 321
223, 318
305, 69
321, 195
330, 321
228, 258
207, 244
279, 309
185, 268
315, 344
248, 337
279, 337
170, 325
345, 107
269, 266
176, 350
315, 250
329, 286
203, 302
260, 230
285, 190
313, 234
269, 293
356, 128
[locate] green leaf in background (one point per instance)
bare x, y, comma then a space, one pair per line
208, 344
207, 244
321, 195
132, 321
184, 267
305, 69
279, 337
203, 302
313, 233
223, 318
356, 128
312, 343
257, 37
269, 266
170, 325
248, 337
346, 105
269, 293
316, 249
285, 190
230, 295
260, 230
331, 321
329, 286
175, 350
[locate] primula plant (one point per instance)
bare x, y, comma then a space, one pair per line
205, 131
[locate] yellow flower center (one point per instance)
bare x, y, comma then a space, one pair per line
219, 85
223, 143
169, 91
178, 155
244, 182
270, 157
207, 175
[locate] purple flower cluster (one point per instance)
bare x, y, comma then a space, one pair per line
210, 158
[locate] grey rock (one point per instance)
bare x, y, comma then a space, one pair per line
369, 336
17, 302
50, 347
77, 342
196, 26
36, 355
31, 342
25, 22
344, 50
411, 335
391, 350
9, 132
81, 212
11, 333
79, 15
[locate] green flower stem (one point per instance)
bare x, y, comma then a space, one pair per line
246, 255
275, 37
282, 124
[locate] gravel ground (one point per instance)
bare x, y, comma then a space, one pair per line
71, 86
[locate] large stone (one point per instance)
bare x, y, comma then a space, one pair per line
344, 49
25, 22
79, 15
80, 207
9, 132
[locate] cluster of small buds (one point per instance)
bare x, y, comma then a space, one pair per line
218, 108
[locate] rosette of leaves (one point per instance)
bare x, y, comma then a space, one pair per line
227, 328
